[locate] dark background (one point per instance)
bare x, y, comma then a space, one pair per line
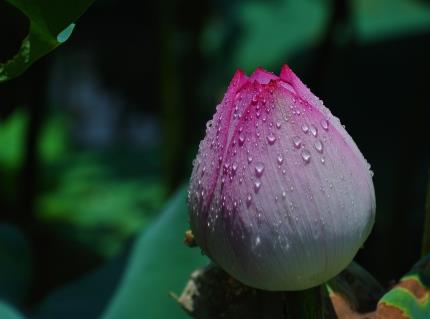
96, 136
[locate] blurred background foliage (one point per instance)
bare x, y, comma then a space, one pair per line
97, 136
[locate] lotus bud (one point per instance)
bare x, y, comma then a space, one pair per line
280, 196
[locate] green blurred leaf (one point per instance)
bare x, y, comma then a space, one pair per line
377, 20
51, 24
93, 205
87, 297
12, 134
274, 31
53, 140
160, 263
15, 265
7, 312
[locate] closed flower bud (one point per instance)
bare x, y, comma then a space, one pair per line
280, 196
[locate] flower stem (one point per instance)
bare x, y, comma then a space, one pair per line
425, 250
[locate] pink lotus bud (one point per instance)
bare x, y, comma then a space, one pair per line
280, 196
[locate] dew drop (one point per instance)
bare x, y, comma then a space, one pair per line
314, 130
324, 124
254, 100
209, 124
278, 125
271, 139
249, 159
305, 128
318, 146
259, 169
241, 139
297, 142
306, 156
257, 186
248, 200
234, 167
323, 160
280, 159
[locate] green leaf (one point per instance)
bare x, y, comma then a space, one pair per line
160, 264
51, 24
15, 265
90, 198
87, 297
12, 138
411, 296
276, 30
7, 312
377, 20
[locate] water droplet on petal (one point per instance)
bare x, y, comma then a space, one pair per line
241, 139
280, 159
278, 125
297, 142
318, 146
257, 186
254, 100
248, 200
249, 159
305, 128
306, 156
259, 169
323, 160
314, 130
257, 240
271, 139
234, 167
324, 124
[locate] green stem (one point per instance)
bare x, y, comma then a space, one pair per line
425, 250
